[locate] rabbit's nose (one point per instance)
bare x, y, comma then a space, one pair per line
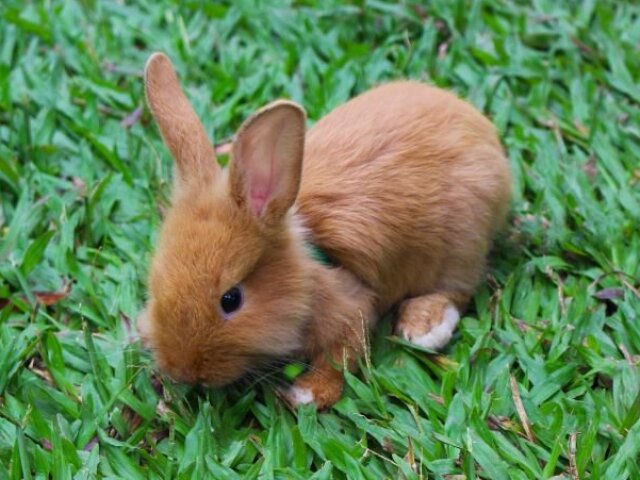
187, 370
183, 375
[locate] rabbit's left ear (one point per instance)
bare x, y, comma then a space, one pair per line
181, 128
267, 161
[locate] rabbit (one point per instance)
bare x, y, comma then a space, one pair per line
403, 187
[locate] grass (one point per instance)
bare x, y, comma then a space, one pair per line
543, 378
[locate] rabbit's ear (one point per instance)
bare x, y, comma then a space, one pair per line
182, 131
267, 161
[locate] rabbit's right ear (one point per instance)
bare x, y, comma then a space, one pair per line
266, 162
181, 129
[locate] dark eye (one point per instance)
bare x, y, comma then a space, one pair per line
231, 300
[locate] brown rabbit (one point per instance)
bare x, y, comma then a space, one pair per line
403, 187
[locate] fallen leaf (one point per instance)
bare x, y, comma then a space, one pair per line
609, 294
132, 118
45, 298
49, 298
89, 446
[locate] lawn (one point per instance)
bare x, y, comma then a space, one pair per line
542, 379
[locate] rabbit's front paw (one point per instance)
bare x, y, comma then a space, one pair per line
321, 389
428, 321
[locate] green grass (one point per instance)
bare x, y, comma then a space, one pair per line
543, 378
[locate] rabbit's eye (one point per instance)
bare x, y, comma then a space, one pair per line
231, 300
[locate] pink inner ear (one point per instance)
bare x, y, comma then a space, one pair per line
262, 181
259, 198
268, 153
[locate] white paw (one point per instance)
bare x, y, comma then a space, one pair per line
439, 336
299, 396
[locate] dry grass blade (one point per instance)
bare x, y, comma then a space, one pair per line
524, 419
573, 469
410, 456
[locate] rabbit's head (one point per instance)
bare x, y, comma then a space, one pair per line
228, 288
